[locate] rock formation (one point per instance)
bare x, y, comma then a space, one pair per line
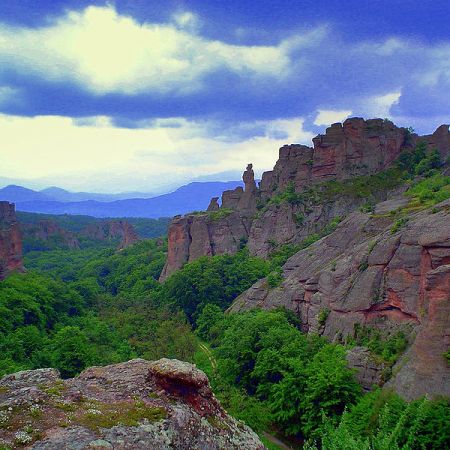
213, 205
47, 230
134, 405
354, 148
363, 274
112, 230
10, 241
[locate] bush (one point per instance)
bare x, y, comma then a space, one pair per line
275, 278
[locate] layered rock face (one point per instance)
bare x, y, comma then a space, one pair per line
47, 230
10, 241
354, 148
111, 230
363, 274
134, 405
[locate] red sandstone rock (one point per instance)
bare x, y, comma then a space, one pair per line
363, 274
47, 229
111, 230
10, 241
356, 147
132, 405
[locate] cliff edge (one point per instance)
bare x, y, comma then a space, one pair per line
137, 404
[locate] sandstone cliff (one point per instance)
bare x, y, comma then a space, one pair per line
355, 148
134, 405
10, 241
47, 230
112, 230
365, 274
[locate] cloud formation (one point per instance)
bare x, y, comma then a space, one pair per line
95, 152
101, 90
108, 53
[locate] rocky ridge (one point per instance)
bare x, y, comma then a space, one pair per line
137, 404
47, 230
356, 148
368, 274
10, 241
112, 230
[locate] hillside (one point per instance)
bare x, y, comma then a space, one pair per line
384, 266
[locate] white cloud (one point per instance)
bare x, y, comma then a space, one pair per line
92, 154
107, 52
329, 116
380, 106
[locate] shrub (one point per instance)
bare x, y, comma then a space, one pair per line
274, 279
323, 316
398, 224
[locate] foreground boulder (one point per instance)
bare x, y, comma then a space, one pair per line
166, 404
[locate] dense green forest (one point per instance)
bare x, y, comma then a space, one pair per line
97, 305
76, 308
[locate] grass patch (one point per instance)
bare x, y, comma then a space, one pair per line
220, 214
55, 390
431, 190
106, 415
398, 224
363, 186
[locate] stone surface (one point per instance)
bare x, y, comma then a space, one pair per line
364, 274
213, 204
47, 230
10, 241
356, 147
111, 230
134, 405
368, 372
192, 236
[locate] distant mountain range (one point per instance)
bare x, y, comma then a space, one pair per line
191, 197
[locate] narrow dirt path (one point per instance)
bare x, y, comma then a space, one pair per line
210, 356
276, 441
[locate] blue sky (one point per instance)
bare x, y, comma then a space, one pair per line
142, 95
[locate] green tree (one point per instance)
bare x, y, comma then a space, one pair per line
71, 351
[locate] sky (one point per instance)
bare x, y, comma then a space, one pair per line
141, 95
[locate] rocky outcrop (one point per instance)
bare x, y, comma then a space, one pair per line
205, 234
355, 148
47, 230
134, 405
365, 274
10, 241
112, 230
368, 371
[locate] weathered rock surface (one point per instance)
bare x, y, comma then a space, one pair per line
355, 148
47, 230
112, 230
368, 371
166, 404
364, 274
10, 241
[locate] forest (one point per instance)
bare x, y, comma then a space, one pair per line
96, 306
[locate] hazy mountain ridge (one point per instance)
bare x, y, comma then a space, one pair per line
191, 197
